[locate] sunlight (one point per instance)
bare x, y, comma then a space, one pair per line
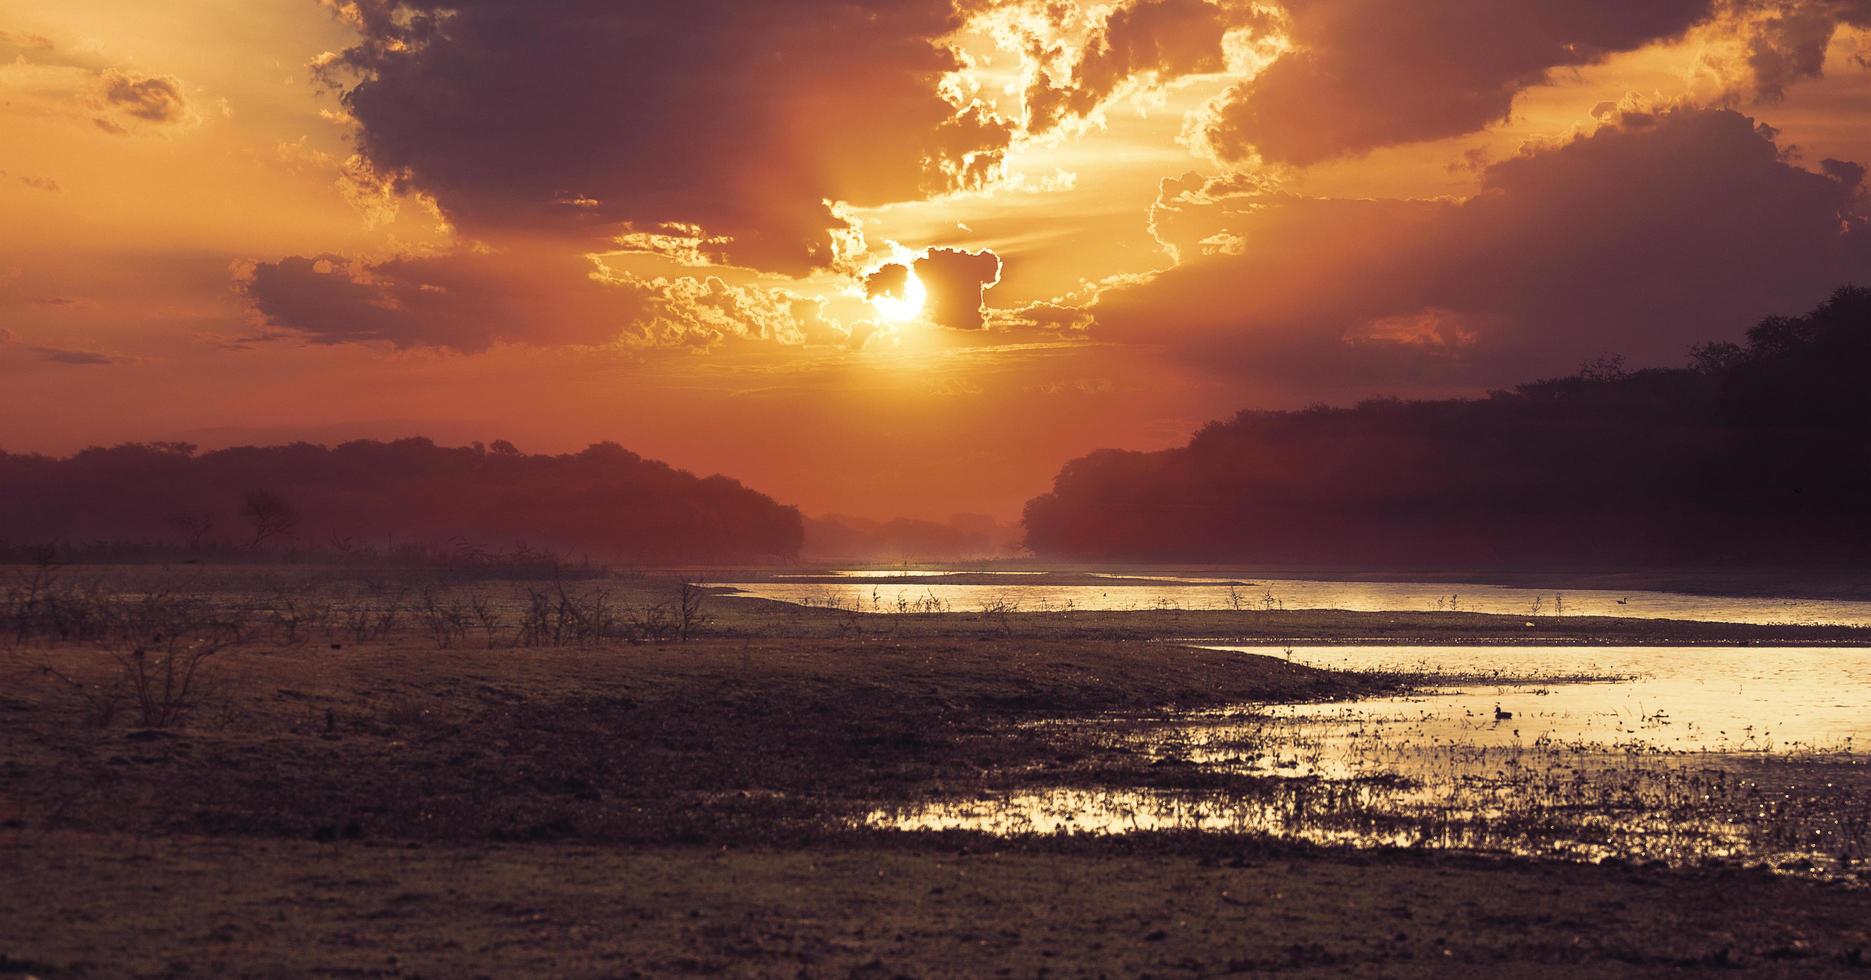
904, 308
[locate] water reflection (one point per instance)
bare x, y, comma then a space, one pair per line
894, 573
1699, 699
887, 591
1702, 754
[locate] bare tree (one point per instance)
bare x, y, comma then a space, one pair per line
194, 526
689, 616
270, 515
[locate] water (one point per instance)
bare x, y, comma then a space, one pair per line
889, 573
1691, 755
925, 590
1674, 699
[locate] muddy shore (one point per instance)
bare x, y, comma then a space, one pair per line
390, 808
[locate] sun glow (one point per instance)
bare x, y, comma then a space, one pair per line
902, 308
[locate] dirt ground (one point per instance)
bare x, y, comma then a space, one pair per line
390, 808
717, 741
114, 905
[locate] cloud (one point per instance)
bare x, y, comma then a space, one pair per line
891, 280
17, 43
41, 78
956, 281
465, 300
700, 312
1368, 73
1149, 39
469, 301
1844, 171
1786, 40
1046, 316
61, 356
57, 355
1656, 231
151, 98
588, 119
46, 184
721, 140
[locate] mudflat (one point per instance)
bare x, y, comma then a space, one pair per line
408, 801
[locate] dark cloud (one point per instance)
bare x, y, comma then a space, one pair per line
79, 84
61, 356
957, 281
465, 301
56, 355
1160, 39
1788, 46
587, 118
1844, 171
469, 301
151, 98
1654, 232
890, 280
1369, 73
1787, 39
46, 184
127, 101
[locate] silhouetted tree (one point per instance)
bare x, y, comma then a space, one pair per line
1751, 454
270, 515
1716, 357
194, 526
606, 501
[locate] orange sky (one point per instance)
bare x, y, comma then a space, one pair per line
658, 223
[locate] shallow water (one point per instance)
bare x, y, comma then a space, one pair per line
1032, 592
1697, 754
871, 573
1678, 699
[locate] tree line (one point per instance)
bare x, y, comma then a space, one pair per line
170, 498
1752, 453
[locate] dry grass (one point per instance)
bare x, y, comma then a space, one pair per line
79, 905
716, 739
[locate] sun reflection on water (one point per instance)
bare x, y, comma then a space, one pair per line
1572, 774
1037, 591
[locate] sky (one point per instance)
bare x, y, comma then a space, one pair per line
890, 257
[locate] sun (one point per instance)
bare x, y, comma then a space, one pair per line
901, 306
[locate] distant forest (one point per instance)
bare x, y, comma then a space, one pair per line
373, 498
1756, 453
963, 537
